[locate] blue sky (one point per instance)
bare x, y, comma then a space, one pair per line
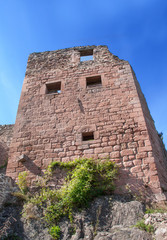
134, 30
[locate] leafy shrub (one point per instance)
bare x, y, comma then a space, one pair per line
55, 232
156, 210
22, 182
86, 179
141, 225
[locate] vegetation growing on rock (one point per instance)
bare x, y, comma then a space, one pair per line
146, 227
86, 179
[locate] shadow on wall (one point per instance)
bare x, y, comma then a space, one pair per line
134, 186
31, 167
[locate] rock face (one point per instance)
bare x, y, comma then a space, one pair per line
159, 221
10, 208
107, 218
6, 133
7, 186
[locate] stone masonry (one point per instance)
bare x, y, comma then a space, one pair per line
71, 108
6, 132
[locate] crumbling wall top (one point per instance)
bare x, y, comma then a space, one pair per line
69, 58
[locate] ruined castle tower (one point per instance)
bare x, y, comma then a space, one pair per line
71, 108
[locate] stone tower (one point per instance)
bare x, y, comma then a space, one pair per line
71, 108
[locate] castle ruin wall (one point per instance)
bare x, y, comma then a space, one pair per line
95, 109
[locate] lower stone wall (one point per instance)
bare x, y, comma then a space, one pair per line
6, 133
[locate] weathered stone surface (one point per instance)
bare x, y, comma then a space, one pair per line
35, 230
7, 186
121, 233
159, 222
107, 218
6, 133
11, 223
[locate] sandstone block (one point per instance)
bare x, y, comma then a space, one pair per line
115, 154
141, 155
127, 152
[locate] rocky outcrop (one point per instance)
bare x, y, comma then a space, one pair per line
106, 218
159, 221
6, 133
109, 217
10, 209
7, 186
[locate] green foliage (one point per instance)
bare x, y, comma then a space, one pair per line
22, 182
156, 210
86, 179
54, 231
46, 195
141, 225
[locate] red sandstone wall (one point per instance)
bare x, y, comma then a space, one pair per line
50, 126
156, 166
6, 132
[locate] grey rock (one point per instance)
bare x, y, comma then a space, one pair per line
123, 234
35, 229
159, 222
107, 217
7, 187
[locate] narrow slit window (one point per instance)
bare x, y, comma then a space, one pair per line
93, 81
86, 55
87, 136
53, 87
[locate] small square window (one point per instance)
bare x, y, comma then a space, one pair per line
87, 136
93, 81
53, 87
86, 55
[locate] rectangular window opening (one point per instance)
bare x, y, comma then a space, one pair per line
53, 87
87, 136
93, 81
86, 55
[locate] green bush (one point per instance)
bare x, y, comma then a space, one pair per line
156, 210
141, 225
55, 232
22, 182
86, 179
